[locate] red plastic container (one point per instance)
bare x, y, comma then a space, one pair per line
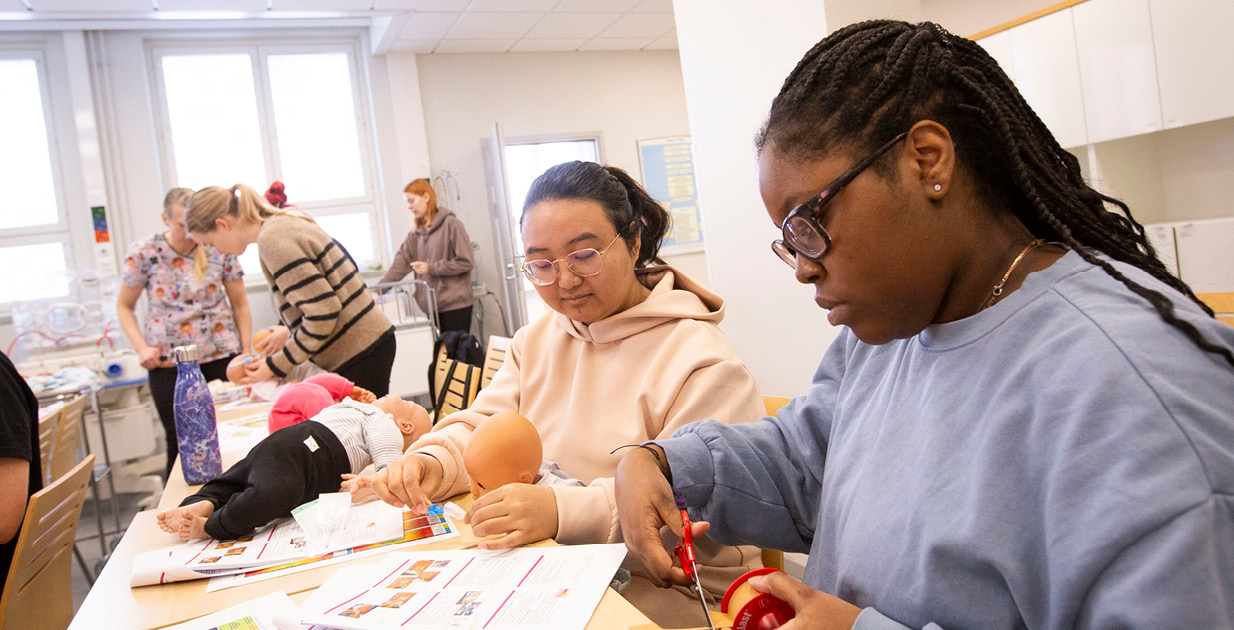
752, 610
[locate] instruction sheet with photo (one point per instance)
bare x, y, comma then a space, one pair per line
275, 611
276, 544
415, 530
529, 587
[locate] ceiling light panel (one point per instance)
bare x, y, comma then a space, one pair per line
567, 25
493, 25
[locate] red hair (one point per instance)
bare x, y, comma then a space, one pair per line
423, 187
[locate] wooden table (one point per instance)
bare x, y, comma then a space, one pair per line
111, 603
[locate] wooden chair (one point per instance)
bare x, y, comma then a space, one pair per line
1222, 305
774, 558
38, 593
48, 426
59, 435
493, 358
68, 437
773, 404
455, 385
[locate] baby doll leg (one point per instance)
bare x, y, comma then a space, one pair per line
273, 484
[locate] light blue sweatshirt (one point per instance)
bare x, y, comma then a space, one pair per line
1064, 459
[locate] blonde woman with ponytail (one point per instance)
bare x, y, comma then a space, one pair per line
328, 316
194, 295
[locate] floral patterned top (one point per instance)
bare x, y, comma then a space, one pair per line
180, 310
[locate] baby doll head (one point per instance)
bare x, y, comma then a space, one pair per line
412, 419
504, 449
235, 367
260, 336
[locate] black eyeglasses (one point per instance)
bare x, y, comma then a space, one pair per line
802, 231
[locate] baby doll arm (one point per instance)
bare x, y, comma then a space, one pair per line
359, 394
360, 486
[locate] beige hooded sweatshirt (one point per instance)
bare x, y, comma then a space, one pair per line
633, 377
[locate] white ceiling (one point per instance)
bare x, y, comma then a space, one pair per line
420, 26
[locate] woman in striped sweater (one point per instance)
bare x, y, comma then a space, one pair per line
328, 315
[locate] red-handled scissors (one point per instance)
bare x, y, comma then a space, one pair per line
685, 553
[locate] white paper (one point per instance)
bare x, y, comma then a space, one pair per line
278, 543
416, 530
242, 434
541, 587
275, 611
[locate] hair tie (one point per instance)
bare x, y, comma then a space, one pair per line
663, 465
943, 35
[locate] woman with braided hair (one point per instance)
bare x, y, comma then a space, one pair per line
1026, 422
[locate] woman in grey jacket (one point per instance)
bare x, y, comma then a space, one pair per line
438, 251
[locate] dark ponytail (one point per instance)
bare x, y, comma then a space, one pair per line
626, 204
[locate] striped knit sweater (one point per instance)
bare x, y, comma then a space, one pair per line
320, 296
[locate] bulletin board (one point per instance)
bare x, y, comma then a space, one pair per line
667, 166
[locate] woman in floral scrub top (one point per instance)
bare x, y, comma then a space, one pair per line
195, 295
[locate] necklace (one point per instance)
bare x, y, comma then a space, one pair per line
998, 288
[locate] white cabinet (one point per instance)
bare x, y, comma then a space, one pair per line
1047, 72
1118, 71
1198, 252
1161, 235
1194, 59
999, 47
1205, 255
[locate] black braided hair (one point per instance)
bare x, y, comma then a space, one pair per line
870, 81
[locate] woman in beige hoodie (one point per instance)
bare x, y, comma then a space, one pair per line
630, 354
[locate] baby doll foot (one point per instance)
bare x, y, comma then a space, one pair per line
165, 520
173, 520
193, 527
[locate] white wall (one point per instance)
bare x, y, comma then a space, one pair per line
734, 56
967, 17
626, 96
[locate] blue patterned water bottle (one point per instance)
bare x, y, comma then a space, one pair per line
197, 435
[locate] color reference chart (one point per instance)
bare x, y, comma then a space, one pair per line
668, 175
416, 530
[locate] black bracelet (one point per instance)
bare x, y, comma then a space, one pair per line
660, 463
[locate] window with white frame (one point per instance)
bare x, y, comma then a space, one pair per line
34, 232
252, 114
